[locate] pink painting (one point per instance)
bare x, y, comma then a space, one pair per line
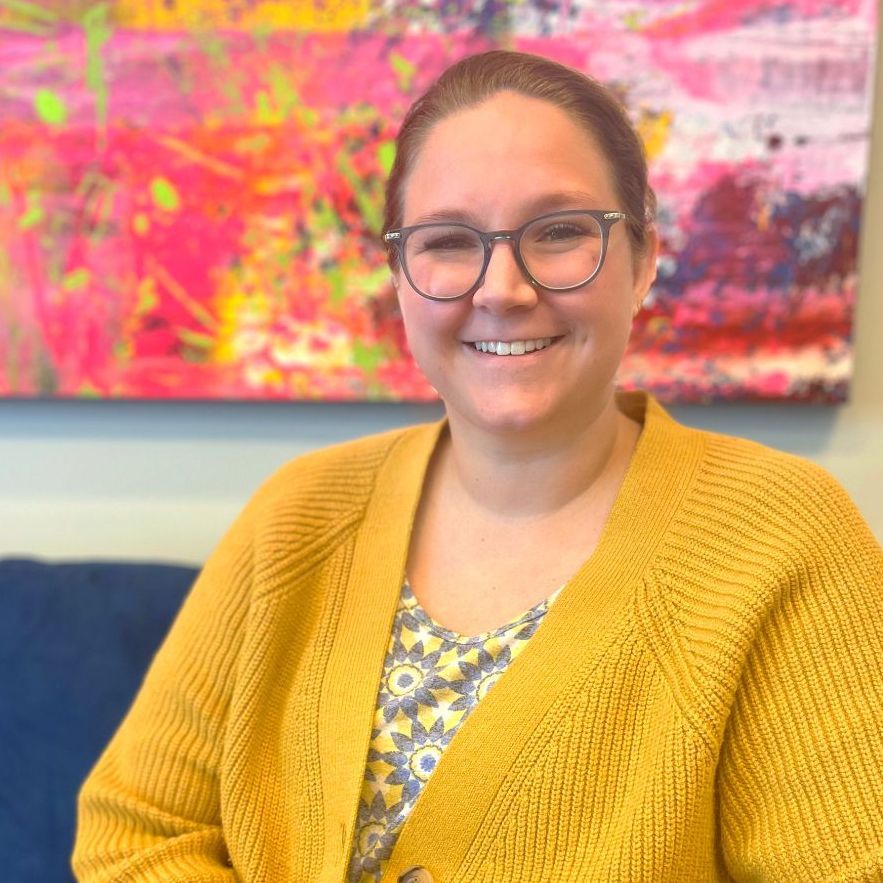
191, 190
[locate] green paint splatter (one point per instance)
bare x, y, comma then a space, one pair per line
212, 45
324, 218
284, 97
375, 280
75, 280
96, 24
287, 100
27, 18
195, 339
50, 107
368, 357
5, 194
369, 203
334, 275
263, 108
164, 194
33, 213
34, 10
403, 69
386, 155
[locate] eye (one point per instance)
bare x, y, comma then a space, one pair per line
448, 242
444, 240
560, 231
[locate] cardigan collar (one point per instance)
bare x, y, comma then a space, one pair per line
584, 619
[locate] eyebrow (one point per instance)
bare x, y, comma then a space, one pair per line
548, 202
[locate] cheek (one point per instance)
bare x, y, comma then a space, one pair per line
418, 323
431, 328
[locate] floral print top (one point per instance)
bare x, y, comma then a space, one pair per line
432, 679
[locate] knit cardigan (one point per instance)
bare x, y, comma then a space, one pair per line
703, 702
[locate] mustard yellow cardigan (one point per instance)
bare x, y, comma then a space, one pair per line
703, 702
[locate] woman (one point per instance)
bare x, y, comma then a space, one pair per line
596, 645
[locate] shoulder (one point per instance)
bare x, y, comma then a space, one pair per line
313, 505
739, 490
748, 489
775, 517
334, 480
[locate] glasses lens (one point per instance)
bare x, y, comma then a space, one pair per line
443, 260
562, 250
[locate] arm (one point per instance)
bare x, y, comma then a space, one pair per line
150, 809
801, 772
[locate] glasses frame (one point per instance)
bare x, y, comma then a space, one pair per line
606, 219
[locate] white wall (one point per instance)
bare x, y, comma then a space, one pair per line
162, 481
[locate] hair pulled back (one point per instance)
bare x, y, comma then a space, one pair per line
588, 103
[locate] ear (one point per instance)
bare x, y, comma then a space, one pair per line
645, 271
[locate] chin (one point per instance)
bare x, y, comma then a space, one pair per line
508, 417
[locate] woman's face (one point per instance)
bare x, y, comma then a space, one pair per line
495, 166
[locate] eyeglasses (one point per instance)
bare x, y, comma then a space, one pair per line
561, 251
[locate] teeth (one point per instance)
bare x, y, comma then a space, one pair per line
512, 347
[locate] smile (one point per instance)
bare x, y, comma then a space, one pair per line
512, 347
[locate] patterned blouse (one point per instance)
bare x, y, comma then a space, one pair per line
432, 679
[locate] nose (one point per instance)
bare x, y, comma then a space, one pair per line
505, 286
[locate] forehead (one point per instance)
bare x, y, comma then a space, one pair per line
499, 156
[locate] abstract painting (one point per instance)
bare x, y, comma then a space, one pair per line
191, 191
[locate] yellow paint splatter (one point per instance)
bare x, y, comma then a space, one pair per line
147, 296
141, 224
219, 167
654, 128
331, 16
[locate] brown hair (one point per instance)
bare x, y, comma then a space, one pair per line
590, 104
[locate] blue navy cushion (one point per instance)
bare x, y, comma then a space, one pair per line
75, 642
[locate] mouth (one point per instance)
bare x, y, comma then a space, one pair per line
513, 347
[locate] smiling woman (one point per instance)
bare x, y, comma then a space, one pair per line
555, 636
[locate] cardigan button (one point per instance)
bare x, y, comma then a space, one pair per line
417, 874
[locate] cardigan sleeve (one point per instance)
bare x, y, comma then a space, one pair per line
800, 776
150, 808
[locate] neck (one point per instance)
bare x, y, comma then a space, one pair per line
528, 475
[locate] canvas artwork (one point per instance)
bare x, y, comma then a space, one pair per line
191, 191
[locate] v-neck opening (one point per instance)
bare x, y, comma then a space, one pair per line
419, 612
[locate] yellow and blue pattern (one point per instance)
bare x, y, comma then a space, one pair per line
432, 679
